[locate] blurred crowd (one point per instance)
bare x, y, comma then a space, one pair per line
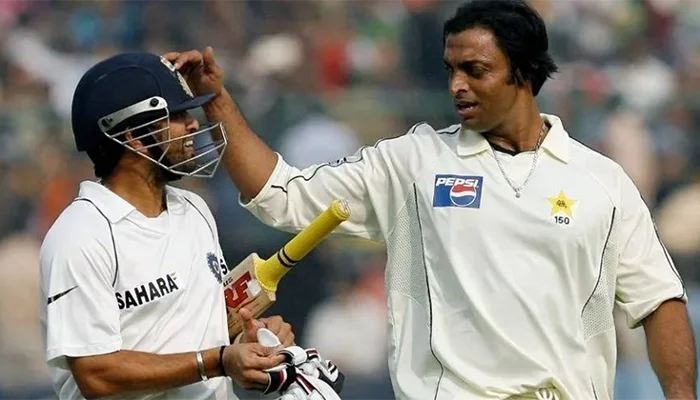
317, 79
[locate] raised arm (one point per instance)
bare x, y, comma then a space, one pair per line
288, 198
248, 160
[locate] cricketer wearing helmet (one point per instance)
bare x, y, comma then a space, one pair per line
131, 270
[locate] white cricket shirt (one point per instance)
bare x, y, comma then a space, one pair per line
113, 279
492, 296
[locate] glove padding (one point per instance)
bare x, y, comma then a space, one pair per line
304, 375
309, 388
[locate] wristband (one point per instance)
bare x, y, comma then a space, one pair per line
221, 361
200, 366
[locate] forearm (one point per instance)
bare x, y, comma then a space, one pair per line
248, 160
130, 372
671, 347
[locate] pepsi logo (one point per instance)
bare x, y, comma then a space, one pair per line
457, 191
462, 195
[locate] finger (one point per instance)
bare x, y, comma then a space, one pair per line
209, 56
250, 324
171, 56
287, 336
268, 362
257, 363
191, 58
256, 379
274, 324
245, 315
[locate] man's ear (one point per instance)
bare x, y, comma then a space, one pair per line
136, 144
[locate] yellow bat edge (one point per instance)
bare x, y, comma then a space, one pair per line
269, 272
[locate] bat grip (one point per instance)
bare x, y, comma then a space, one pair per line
269, 272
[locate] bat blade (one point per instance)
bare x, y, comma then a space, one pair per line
241, 289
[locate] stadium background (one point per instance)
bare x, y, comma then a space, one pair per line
317, 79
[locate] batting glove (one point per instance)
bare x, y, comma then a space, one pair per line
304, 374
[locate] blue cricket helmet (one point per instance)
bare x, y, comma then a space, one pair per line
137, 84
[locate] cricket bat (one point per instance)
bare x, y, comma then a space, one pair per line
253, 283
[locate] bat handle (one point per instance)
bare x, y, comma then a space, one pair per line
269, 272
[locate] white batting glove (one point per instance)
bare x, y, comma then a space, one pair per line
304, 375
309, 388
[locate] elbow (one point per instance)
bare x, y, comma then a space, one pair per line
92, 387
90, 379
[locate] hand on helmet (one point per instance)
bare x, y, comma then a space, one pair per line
201, 71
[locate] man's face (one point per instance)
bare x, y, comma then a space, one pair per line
181, 124
479, 79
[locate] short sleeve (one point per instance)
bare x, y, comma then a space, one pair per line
646, 275
81, 315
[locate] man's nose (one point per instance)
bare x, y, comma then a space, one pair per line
193, 125
459, 83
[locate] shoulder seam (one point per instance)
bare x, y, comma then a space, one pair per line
111, 234
612, 162
414, 127
446, 131
595, 178
205, 218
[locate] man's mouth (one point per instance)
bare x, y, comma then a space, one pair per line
465, 107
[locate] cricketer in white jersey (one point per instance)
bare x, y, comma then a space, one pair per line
491, 295
508, 242
115, 279
131, 271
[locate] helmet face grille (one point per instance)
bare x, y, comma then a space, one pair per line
195, 154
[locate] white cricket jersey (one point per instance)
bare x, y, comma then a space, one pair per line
113, 279
490, 295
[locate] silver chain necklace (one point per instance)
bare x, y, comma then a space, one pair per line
519, 189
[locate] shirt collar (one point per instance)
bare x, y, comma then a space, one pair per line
116, 208
556, 143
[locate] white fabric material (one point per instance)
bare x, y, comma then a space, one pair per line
492, 296
164, 297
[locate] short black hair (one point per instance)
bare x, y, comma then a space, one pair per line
519, 31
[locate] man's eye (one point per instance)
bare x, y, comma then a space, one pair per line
477, 73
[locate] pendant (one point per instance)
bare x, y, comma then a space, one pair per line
517, 194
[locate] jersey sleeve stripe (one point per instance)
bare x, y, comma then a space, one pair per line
602, 258
111, 234
670, 263
430, 301
205, 218
336, 164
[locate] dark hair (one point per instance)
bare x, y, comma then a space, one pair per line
106, 155
519, 31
